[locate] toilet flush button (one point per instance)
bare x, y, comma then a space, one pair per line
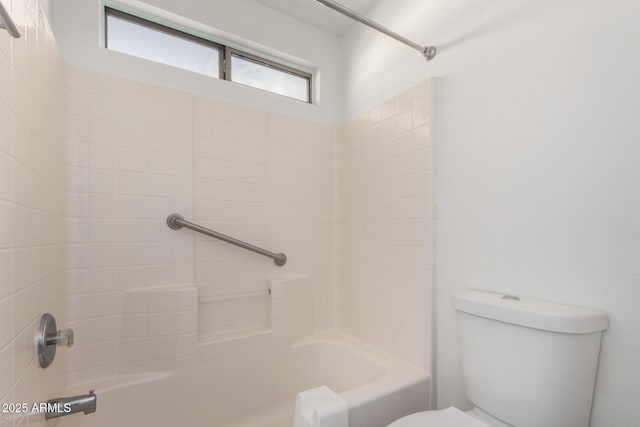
510, 298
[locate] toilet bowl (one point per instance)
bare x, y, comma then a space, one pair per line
509, 370
450, 417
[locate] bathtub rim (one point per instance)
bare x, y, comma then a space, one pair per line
398, 373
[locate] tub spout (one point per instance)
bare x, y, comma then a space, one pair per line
61, 406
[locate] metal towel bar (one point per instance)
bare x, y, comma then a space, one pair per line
176, 221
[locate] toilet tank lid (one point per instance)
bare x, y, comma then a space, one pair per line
531, 313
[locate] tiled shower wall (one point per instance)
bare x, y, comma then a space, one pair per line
32, 208
387, 214
135, 153
138, 153
269, 180
129, 167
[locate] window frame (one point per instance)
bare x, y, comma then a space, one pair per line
229, 52
225, 52
110, 11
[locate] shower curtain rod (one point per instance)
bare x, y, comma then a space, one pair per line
7, 23
427, 51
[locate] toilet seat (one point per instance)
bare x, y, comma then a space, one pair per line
450, 417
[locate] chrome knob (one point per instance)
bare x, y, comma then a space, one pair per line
49, 338
63, 337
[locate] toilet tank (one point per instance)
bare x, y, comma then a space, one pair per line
528, 363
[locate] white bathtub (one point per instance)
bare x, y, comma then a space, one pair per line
256, 386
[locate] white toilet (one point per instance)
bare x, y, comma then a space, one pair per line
526, 363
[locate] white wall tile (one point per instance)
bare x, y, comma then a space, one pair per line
387, 227
103, 206
160, 302
134, 326
104, 329
132, 207
186, 322
77, 307
103, 231
103, 280
103, 156
137, 161
32, 199
6, 368
102, 354
104, 304
161, 348
132, 160
103, 255
134, 302
103, 181
6, 321
160, 324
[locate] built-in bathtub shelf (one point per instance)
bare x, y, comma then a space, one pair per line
228, 316
205, 300
283, 308
234, 335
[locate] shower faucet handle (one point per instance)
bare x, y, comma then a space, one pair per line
49, 338
63, 337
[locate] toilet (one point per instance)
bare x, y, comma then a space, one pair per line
526, 363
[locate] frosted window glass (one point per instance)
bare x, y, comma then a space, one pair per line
260, 76
146, 42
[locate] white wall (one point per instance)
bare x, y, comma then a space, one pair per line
538, 183
386, 234
245, 23
32, 209
139, 152
129, 162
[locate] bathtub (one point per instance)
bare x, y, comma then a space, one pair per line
255, 386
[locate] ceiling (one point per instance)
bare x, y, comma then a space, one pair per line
318, 15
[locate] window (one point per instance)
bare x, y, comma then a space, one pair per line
139, 37
136, 36
252, 71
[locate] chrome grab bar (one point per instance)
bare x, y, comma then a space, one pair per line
176, 222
